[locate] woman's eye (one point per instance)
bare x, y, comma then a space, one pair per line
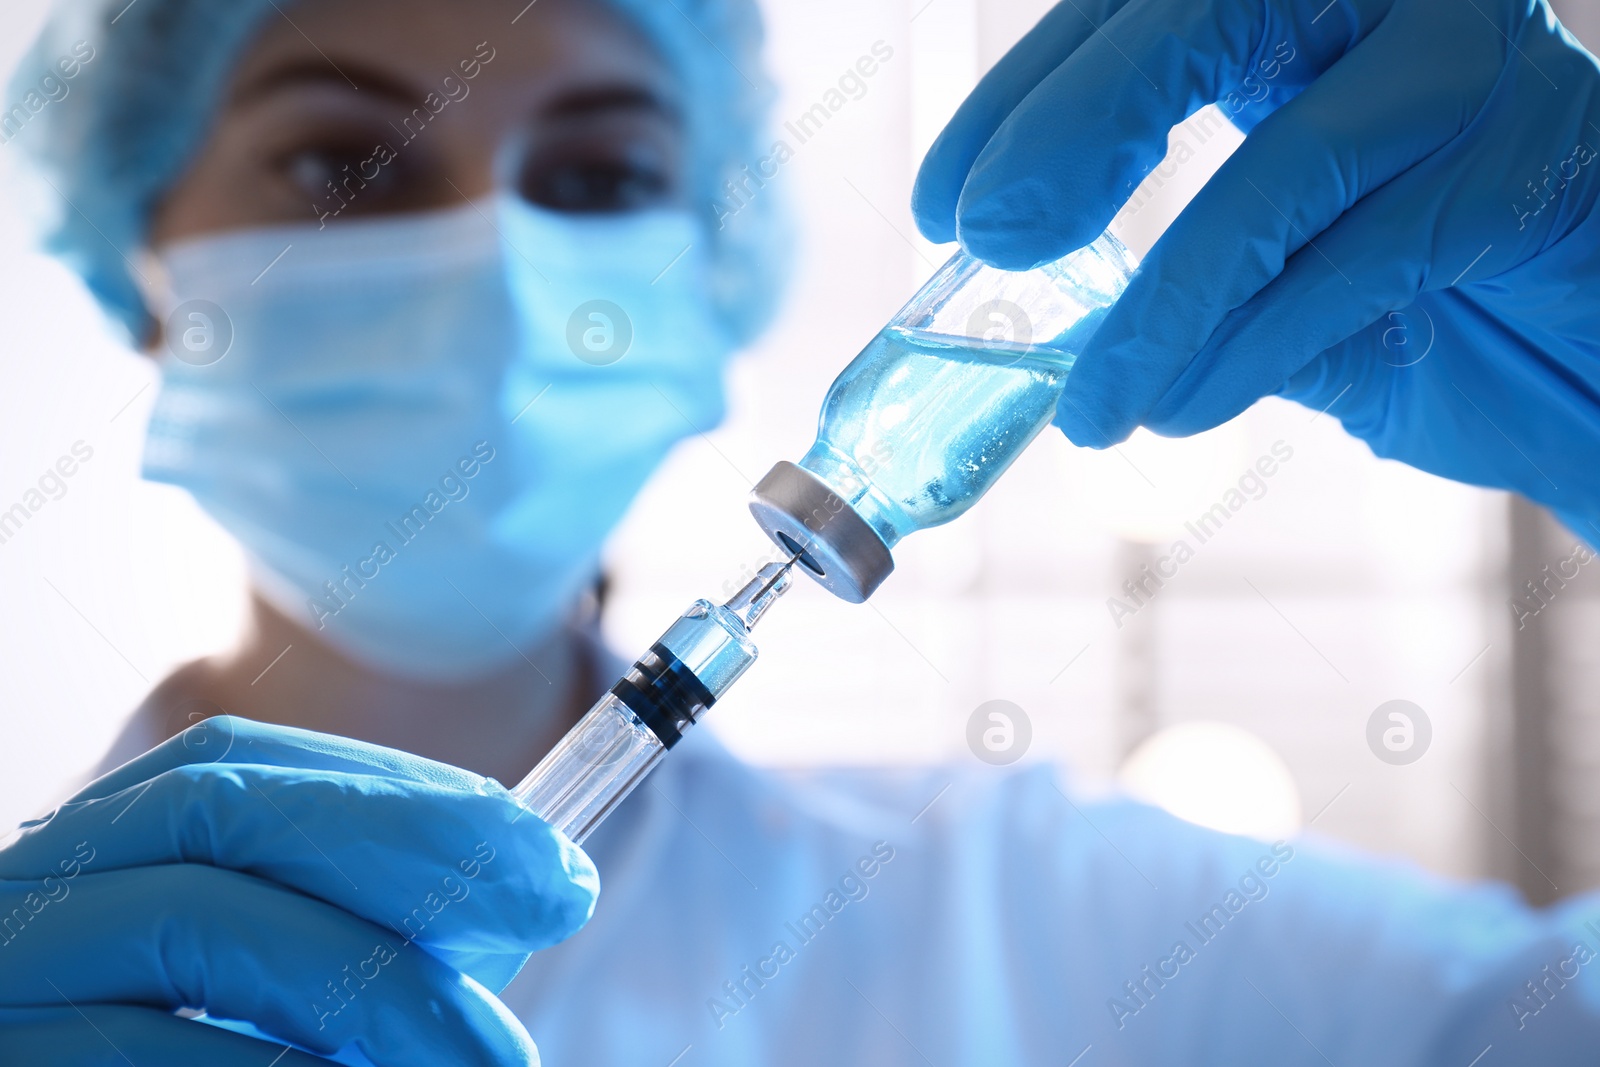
318, 171
596, 186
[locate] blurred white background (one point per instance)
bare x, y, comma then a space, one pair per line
1351, 582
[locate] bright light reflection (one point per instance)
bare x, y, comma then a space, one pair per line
1218, 776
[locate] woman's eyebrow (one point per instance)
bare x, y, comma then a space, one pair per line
583, 103
323, 72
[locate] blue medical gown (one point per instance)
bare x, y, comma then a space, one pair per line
1016, 922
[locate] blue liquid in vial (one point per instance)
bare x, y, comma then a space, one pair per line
920, 425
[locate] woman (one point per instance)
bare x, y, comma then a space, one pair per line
433, 288
538, 169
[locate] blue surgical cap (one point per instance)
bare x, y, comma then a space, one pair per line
105, 143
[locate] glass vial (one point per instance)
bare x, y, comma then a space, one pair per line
935, 408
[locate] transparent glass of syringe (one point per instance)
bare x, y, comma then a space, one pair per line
662, 696
935, 408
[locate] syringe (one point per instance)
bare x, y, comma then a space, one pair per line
620, 739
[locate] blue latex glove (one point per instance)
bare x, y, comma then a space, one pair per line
1420, 176
335, 894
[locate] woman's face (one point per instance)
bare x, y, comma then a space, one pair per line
356, 108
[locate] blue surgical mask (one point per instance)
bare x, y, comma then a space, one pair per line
422, 428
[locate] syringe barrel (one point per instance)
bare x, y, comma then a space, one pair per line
592, 769
618, 741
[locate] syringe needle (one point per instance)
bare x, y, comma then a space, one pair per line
770, 582
782, 572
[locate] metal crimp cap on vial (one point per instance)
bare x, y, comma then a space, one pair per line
837, 547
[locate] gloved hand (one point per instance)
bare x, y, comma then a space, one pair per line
1407, 237
335, 894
